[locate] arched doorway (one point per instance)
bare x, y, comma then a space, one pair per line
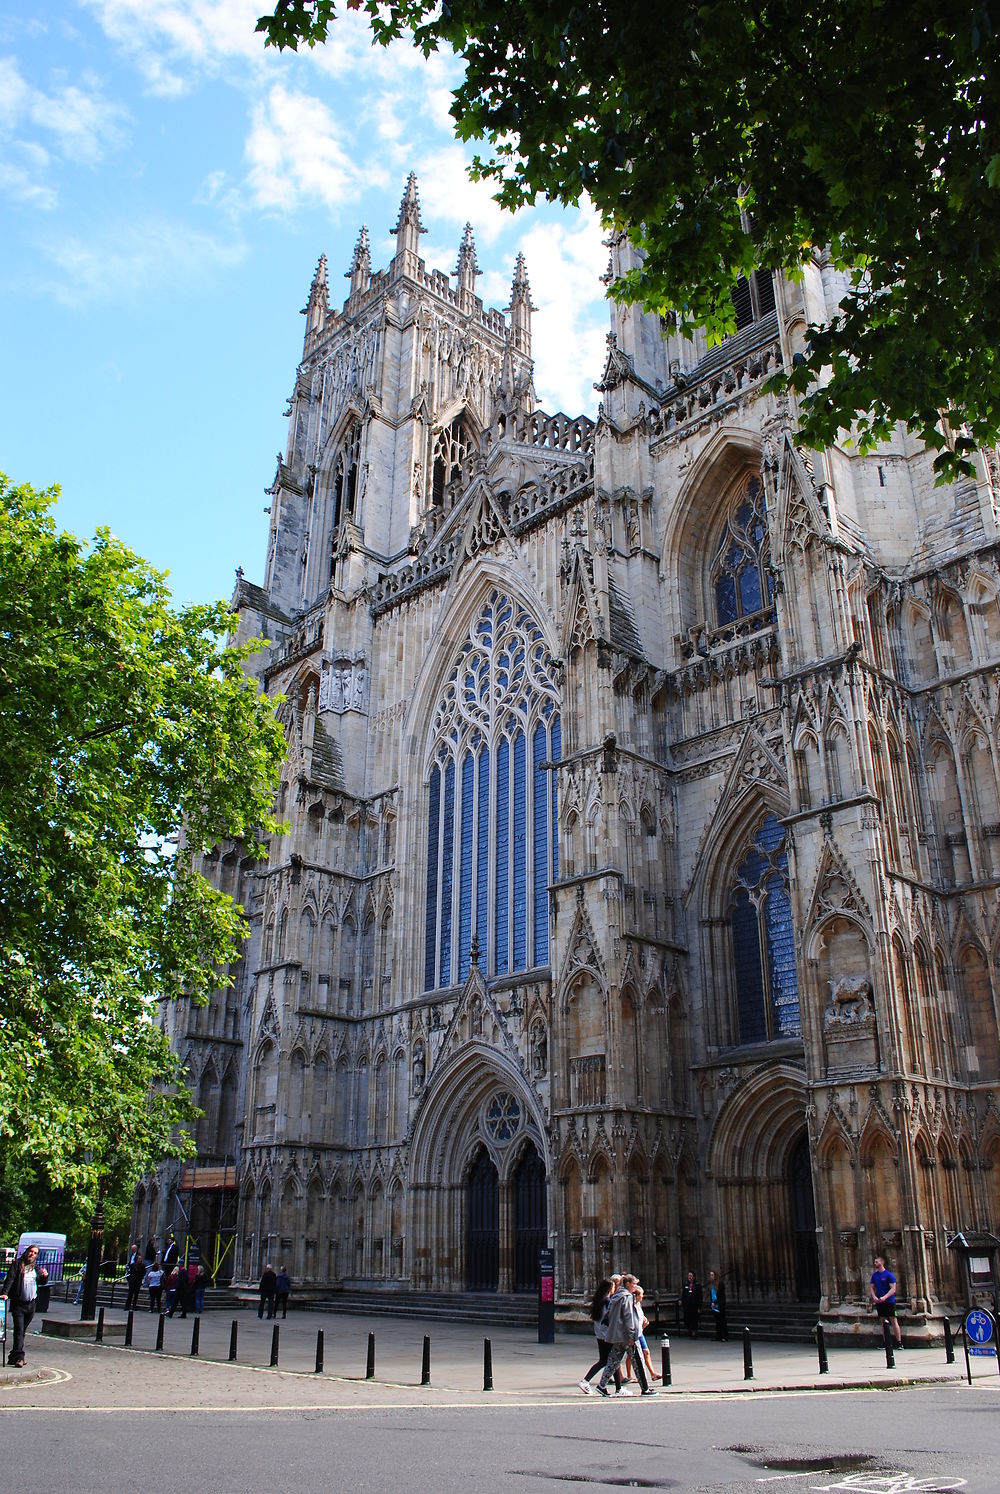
482, 1224
802, 1211
531, 1231
760, 1163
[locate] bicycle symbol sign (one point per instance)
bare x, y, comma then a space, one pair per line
979, 1326
893, 1483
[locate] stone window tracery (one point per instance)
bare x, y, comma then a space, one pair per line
741, 575
763, 939
451, 447
491, 802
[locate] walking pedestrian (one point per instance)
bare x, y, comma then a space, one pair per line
136, 1277
282, 1292
624, 1327
641, 1346
717, 1304
268, 1287
153, 1282
20, 1288
599, 1318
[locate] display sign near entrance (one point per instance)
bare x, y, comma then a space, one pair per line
546, 1297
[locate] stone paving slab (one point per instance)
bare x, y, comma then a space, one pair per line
82, 1373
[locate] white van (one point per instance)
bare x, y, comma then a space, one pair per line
51, 1251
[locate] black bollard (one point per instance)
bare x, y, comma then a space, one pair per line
274, 1347
949, 1343
232, 1341
195, 1335
890, 1358
747, 1356
370, 1360
487, 1364
824, 1363
99, 1335
425, 1363
665, 1361
159, 1331
128, 1330
319, 1351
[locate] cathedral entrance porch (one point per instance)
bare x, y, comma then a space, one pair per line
478, 1200
760, 1160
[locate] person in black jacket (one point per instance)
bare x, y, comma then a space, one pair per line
268, 1288
20, 1289
691, 1299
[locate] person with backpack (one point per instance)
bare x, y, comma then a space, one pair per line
624, 1328
599, 1318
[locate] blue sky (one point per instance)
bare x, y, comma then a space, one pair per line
166, 189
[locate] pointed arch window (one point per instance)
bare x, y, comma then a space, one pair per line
345, 474
451, 447
491, 801
741, 571
763, 939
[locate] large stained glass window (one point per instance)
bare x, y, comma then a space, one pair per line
491, 801
741, 572
767, 990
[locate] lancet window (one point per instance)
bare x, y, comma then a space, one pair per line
491, 801
741, 575
766, 981
345, 474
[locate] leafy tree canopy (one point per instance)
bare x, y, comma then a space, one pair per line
726, 136
124, 725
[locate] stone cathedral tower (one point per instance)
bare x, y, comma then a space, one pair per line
639, 891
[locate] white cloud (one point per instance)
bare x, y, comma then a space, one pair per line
448, 195
172, 42
571, 323
298, 154
133, 258
78, 122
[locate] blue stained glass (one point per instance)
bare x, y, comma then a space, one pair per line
781, 958
770, 836
556, 756
500, 924
433, 838
447, 871
520, 829
465, 870
750, 595
483, 859
751, 870
725, 599
541, 848
749, 976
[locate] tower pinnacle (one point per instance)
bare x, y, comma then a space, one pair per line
408, 225
360, 272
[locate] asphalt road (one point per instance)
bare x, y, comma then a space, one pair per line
113, 1420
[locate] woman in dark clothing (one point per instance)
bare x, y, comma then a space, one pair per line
598, 1316
691, 1299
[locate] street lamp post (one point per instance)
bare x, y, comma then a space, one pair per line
95, 1254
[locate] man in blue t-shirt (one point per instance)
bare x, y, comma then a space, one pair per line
883, 1294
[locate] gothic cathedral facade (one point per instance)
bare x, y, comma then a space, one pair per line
639, 890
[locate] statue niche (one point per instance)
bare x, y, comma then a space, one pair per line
849, 1027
